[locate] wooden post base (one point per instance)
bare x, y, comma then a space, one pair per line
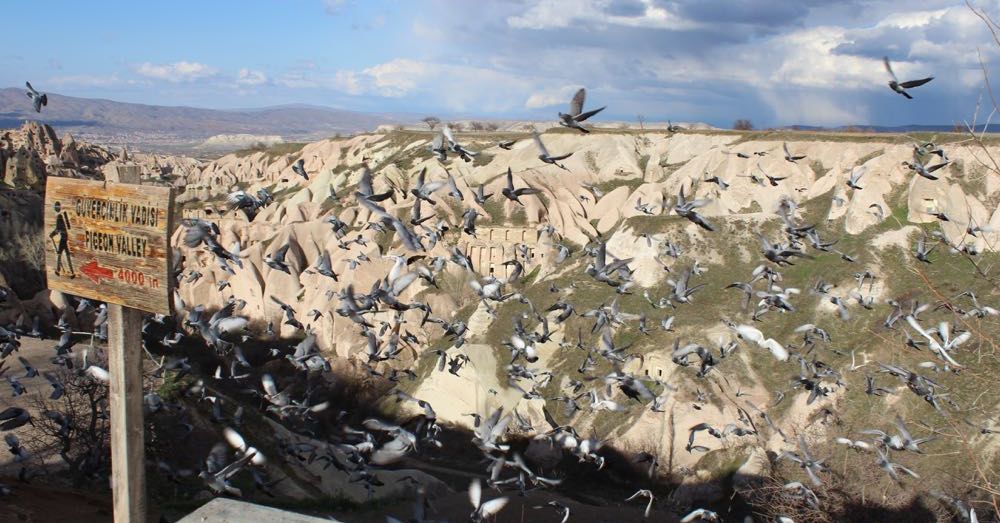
128, 460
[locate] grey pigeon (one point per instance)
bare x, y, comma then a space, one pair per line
576, 114
901, 87
37, 99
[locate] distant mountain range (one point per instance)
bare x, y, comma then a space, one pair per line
185, 129
159, 127
914, 128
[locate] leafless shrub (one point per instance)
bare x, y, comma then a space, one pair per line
976, 140
853, 489
743, 125
432, 121
82, 441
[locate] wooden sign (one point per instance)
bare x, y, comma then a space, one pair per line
110, 242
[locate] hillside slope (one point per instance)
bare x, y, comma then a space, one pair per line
861, 331
601, 193
159, 128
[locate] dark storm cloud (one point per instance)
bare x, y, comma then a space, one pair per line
772, 14
949, 38
625, 8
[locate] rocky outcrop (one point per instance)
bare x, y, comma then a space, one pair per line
24, 169
624, 170
615, 185
29, 154
609, 180
22, 252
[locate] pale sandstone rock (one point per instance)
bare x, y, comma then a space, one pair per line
335, 164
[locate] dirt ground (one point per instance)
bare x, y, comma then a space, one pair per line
42, 501
39, 500
35, 503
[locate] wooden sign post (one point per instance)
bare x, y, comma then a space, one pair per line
111, 242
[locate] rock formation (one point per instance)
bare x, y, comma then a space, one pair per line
617, 186
610, 174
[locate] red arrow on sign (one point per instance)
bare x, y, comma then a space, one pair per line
95, 272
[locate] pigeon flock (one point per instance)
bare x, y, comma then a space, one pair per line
361, 449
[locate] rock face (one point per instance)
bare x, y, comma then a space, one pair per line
24, 154
617, 186
29, 154
611, 178
629, 169
24, 169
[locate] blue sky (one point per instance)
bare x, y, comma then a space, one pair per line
814, 62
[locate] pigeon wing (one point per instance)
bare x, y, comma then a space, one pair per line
493, 506
475, 493
365, 185
888, 68
541, 146
915, 83
584, 116
576, 104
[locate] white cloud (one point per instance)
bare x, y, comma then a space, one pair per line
250, 77
456, 87
910, 19
807, 60
348, 82
396, 78
176, 72
550, 97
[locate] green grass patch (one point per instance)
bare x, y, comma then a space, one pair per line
643, 162
271, 151
722, 463
870, 156
818, 168
610, 185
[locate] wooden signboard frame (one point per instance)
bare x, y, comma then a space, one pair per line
110, 242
